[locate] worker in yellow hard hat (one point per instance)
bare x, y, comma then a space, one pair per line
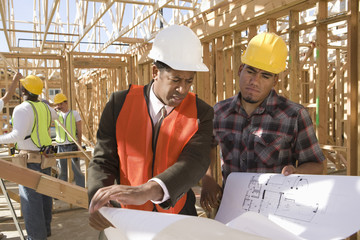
71, 120
258, 130
31, 122
5, 99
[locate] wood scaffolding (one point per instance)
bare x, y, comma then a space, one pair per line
322, 69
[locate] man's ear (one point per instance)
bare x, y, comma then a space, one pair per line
155, 71
240, 68
276, 79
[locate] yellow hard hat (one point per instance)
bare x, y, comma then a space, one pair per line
33, 84
59, 98
266, 51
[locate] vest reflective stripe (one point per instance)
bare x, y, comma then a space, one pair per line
70, 125
42, 119
134, 130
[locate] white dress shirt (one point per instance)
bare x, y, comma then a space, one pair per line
154, 107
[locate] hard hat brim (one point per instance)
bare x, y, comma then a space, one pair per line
197, 67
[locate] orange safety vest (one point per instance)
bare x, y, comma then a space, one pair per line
134, 133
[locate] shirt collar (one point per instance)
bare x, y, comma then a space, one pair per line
155, 104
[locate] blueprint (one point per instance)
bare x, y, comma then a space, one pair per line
142, 225
308, 206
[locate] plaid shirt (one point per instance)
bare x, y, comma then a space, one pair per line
278, 133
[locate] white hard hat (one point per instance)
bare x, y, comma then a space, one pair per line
179, 48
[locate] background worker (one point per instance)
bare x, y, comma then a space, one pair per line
31, 123
258, 130
154, 172
72, 121
5, 99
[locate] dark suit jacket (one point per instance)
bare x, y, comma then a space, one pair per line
179, 178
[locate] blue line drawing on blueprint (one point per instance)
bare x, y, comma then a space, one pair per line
280, 196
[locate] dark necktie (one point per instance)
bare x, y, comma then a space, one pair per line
158, 123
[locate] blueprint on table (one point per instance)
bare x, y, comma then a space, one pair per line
308, 206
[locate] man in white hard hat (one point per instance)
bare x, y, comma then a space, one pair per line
31, 123
72, 121
154, 171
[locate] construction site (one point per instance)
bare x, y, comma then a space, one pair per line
88, 49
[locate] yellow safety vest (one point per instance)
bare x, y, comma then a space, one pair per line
42, 120
70, 125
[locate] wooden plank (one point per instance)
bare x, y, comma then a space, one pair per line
97, 63
62, 190
32, 56
228, 71
219, 69
340, 104
19, 175
239, 16
294, 59
236, 61
321, 93
206, 75
14, 196
353, 102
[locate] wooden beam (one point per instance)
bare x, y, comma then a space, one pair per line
130, 40
32, 56
321, 93
40, 32
99, 54
294, 58
98, 63
14, 196
160, 4
48, 23
44, 184
240, 16
353, 89
3, 20
106, 6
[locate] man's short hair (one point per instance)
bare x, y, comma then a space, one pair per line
162, 66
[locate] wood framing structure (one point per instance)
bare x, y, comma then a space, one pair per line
91, 48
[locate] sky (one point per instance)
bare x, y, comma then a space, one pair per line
23, 10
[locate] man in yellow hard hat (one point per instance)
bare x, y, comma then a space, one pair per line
5, 99
31, 123
72, 121
154, 140
258, 130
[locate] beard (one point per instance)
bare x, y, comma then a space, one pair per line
250, 100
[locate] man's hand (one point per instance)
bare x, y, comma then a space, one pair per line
305, 168
127, 195
211, 193
17, 77
287, 170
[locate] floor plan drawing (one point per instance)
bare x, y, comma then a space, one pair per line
278, 196
308, 206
